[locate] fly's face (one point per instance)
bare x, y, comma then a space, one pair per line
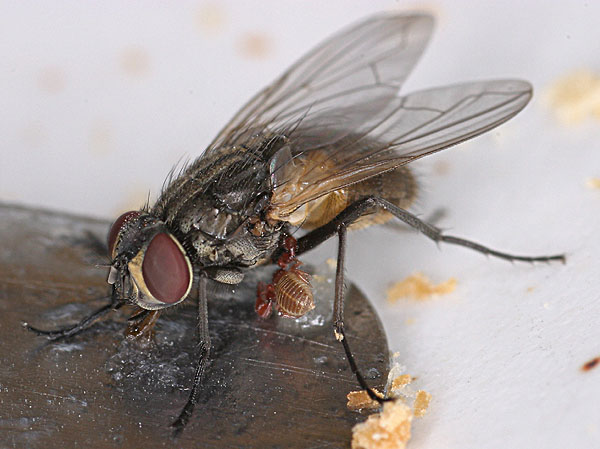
149, 266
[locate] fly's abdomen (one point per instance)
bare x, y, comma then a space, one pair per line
397, 186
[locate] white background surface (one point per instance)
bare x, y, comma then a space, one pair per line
100, 100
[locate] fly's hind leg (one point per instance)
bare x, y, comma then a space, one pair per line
355, 211
363, 206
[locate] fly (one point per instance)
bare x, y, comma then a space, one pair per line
323, 148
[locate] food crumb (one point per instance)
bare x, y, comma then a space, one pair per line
360, 400
389, 429
421, 403
576, 96
418, 286
401, 381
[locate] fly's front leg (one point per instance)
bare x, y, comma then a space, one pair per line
84, 324
141, 324
203, 357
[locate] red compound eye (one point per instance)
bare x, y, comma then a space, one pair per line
116, 228
166, 269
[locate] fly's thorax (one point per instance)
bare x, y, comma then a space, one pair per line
216, 193
150, 267
251, 245
217, 209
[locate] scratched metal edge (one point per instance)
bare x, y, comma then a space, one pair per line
243, 404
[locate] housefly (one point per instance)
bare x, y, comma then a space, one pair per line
323, 148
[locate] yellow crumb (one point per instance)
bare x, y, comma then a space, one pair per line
401, 381
332, 263
389, 429
417, 286
593, 183
360, 400
421, 403
576, 96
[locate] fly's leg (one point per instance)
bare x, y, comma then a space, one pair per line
433, 219
362, 206
203, 357
339, 226
141, 324
84, 324
338, 316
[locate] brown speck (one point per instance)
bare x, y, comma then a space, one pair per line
530, 289
210, 18
419, 287
591, 364
255, 45
135, 62
51, 80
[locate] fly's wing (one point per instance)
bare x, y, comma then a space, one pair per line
351, 137
369, 60
337, 117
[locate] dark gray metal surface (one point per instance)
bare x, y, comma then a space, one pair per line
274, 383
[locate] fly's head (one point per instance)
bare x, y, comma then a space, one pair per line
149, 268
